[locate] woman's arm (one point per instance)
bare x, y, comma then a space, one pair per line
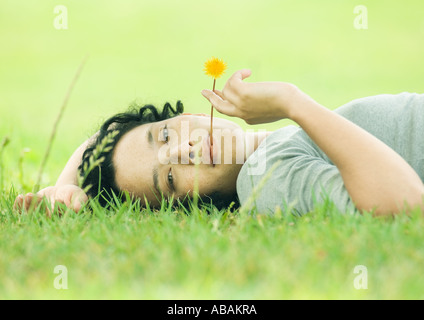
375, 176
70, 172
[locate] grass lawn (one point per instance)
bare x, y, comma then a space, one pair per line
153, 52
169, 254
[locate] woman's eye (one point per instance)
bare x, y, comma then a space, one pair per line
170, 180
165, 134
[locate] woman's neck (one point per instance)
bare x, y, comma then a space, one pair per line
252, 140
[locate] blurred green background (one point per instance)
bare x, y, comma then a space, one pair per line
152, 51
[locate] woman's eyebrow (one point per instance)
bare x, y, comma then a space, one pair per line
150, 135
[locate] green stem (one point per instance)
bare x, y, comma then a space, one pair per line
55, 125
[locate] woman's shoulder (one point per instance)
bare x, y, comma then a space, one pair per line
382, 103
388, 97
280, 146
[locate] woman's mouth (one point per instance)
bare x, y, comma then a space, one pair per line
210, 150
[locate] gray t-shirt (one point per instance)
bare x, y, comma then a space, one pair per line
289, 171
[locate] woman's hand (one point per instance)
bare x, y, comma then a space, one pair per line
255, 103
70, 195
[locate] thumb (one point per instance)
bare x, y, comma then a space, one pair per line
78, 199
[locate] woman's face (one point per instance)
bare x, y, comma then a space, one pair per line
172, 155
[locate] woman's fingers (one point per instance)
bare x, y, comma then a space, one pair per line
219, 94
30, 201
219, 104
56, 199
225, 101
25, 202
240, 75
17, 205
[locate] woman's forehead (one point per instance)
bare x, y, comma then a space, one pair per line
133, 160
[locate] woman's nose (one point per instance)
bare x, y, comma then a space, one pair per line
183, 153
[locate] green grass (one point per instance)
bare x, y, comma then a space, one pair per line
168, 254
153, 52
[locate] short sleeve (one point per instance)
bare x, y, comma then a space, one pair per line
296, 176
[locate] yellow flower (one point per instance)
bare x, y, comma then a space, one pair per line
215, 67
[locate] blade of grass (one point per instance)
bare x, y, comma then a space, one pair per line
56, 123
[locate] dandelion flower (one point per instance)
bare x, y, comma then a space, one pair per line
215, 67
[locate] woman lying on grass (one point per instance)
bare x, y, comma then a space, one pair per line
366, 155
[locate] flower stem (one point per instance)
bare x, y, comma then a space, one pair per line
211, 139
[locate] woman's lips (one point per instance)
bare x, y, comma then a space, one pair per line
209, 152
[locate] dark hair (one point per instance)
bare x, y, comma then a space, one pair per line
100, 179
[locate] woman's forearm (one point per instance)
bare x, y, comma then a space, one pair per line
70, 172
375, 176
